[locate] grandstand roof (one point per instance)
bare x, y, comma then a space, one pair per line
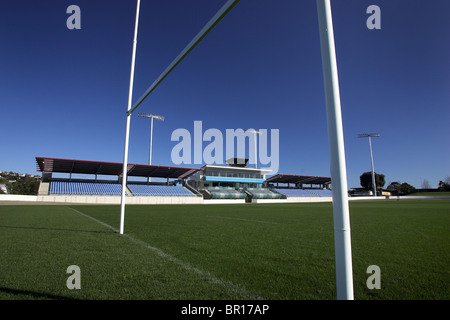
111, 168
291, 178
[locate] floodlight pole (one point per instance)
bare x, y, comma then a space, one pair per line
373, 169
127, 130
370, 135
255, 132
151, 143
151, 117
341, 217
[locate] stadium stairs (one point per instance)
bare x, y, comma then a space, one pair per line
222, 193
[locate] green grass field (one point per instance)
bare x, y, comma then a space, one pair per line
251, 251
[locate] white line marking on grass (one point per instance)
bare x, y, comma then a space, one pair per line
98, 221
204, 274
240, 219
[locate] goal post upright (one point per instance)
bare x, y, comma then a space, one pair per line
128, 123
226, 8
341, 216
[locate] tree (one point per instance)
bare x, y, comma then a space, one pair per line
444, 185
366, 180
24, 186
405, 188
393, 186
20, 184
425, 184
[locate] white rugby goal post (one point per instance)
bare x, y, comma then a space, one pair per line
341, 219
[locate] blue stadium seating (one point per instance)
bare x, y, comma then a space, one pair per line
85, 188
159, 190
323, 192
294, 192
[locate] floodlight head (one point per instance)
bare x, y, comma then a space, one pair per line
148, 115
366, 135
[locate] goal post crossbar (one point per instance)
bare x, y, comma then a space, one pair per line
194, 42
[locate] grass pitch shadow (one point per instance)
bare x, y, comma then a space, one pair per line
33, 294
58, 229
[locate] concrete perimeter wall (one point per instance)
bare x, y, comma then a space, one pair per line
223, 201
17, 198
269, 200
61, 199
116, 199
309, 199
399, 198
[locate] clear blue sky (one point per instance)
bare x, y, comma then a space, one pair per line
63, 93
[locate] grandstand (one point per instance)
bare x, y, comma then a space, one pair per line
109, 191
298, 188
232, 183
